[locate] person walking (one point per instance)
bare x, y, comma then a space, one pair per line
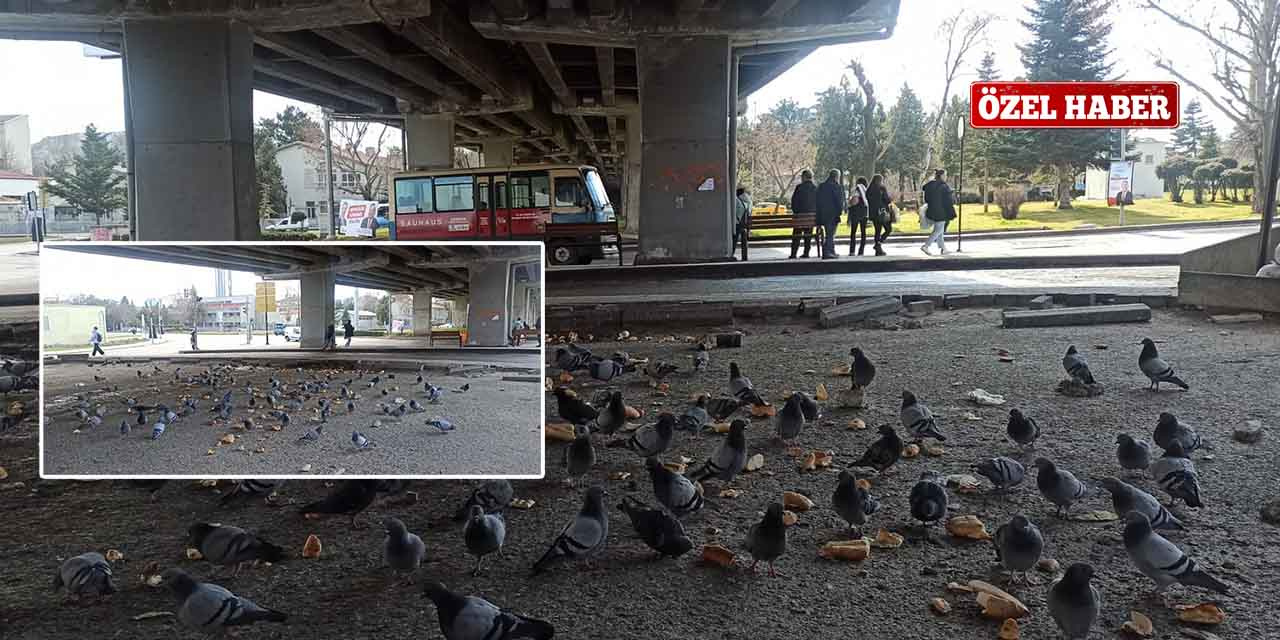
880, 208
940, 209
830, 206
804, 207
741, 211
330, 341
858, 215
95, 339
194, 335
348, 330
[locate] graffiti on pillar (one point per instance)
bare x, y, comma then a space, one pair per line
692, 177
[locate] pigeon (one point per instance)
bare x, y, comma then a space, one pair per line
1074, 602
767, 539
613, 417
248, 489
882, 453
721, 408
659, 531
790, 421
809, 407
573, 408
862, 370
701, 359
157, 430
1077, 367
441, 425
583, 537
1126, 497
580, 455
675, 492
491, 495
1176, 475
728, 459
226, 545
1022, 429
1018, 544
852, 502
87, 574
360, 441
1002, 472
918, 419
695, 418
472, 618
650, 440
928, 499
1058, 486
572, 358
402, 551
740, 387
605, 369
351, 407
1156, 369
1133, 455
1161, 560
658, 370
483, 533
433, 392
350, 498
464, 388
1169, 428
124, 427
210, 608
312, 435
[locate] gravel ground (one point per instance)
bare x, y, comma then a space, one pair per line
497, 426
629, 595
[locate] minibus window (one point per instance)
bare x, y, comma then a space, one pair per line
455, 193
413, 195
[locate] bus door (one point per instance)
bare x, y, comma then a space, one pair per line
530, 210
501, 207
485, 222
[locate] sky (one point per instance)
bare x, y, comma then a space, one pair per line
62, 274
62, 90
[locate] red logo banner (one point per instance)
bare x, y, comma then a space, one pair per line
1073, 105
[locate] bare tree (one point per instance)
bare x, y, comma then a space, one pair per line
874, 141
962, 34
1245, 48
362, 154
781, 152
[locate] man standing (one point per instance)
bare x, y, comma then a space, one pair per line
194, 335
941, 210
330, 341
804, 206
347, 331
830, 205
95, 339
741, 211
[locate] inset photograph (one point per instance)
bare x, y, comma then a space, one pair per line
291, 360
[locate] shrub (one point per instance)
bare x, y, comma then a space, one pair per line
1010, 201
287, 235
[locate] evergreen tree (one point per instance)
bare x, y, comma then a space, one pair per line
91, 182
273, 199
1209, 143
1186, 138
958, 108
837, 129
905, 155
987, 67
985, 140
291, 125
1069, 43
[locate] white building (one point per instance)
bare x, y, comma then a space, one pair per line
226, 313
1150, 153
302, 166
15, 143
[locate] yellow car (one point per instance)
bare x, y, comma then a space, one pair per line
769, 209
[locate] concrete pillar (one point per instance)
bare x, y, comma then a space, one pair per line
190, 120
428, 141
685, 190
487, 319
422, 312
317, 308
458, 312
631, 180
498, 153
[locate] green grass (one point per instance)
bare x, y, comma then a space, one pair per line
1043, 215
109, 341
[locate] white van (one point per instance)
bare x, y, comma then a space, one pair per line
293, 333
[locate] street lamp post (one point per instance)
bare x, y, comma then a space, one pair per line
959, 187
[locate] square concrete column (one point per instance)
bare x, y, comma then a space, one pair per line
422, 312
428, 141
498, 153
487, 320
190, 120
631, 176
684, 117
458, 312
317, 308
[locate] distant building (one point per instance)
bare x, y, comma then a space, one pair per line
1150, 153
15, 144
226, 313
222, 282
302, 164
70, 324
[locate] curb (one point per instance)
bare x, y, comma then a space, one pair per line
380, 363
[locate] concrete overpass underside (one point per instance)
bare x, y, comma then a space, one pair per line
642, 89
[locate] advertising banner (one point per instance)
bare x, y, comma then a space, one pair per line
358, 218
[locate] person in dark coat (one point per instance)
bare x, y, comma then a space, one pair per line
858, 215
804, 206
878, 207
940, 208
347, 331
830, 206
330, 341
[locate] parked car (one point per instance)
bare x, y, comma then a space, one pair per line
284, 225
769, 209
293, 333
278, 329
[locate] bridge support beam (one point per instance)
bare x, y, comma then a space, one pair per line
487, 319
428, 141
498, 153
422, 312
317, 308
685, 191
190, 119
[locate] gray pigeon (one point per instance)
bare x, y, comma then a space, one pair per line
1133, 455
740, 387
87, 574
1169, 428
660, 532
809, 407
1161, 560
701, 359
224, 545
928, 499
1074, 602
1018, 544
767, 539
580, 455
492, 495
1155, 368
918, 419
210, 608
790, 421
613, 417
1002, 472
250, 488
852, 502
728, 459
677, 493
605, 369
1126, 497
472, 618
1176, 475
583, 537
402, 551
1058, 486
650, 440
862, 370
1077, 367
1022, 429
484, 533
695, 418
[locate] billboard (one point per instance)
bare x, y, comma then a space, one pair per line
264, 297
1120, 182
358, 218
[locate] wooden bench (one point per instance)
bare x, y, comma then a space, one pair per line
775, 221
523, 334
561, 249
444, 334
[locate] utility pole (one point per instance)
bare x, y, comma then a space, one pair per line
959, 186
1269, 200
328, 177
1123, 133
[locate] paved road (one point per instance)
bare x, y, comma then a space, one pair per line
19, 268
